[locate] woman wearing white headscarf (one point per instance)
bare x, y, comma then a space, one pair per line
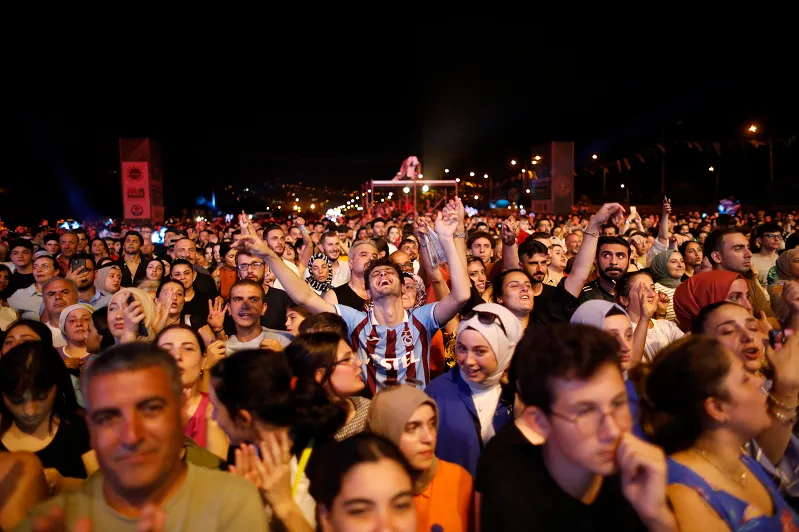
469, 395
614, 320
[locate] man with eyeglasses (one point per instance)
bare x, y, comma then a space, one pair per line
277, 302
569, 461
28, 301
769, 238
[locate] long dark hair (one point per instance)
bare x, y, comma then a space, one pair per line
309, 353
261, 382
36, 366
683, 376
625, 284
338, 459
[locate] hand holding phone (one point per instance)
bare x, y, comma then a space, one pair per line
142, 327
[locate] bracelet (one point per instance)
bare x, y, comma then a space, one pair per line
509, 242
779, 404
587, 232
462, 234
782, 418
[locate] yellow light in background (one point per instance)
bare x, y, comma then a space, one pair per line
471, 174
537, 157
425, 188
476, 196
534, 162
528, 190
595, 156
313, 206
446, 170
753, 128
406, 190
513, 162
457, 179
712, 169
421, 176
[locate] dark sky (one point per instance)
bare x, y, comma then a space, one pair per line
343, 109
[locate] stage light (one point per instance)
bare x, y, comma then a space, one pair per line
406, 190
595, 156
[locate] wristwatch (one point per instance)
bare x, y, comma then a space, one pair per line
462, 234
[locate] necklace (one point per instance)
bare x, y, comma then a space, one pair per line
739, 478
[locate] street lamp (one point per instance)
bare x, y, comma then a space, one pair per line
537, 157
406, 190
446, 170
457, 179
534, 162
471, 174
425, 188
513, 162
753, 128
595, 156
476, 196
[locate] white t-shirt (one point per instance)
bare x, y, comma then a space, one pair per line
342, 276
659, 336
763, 265
292, 267
58, 338
233, 345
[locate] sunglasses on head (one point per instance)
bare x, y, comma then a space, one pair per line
486, 318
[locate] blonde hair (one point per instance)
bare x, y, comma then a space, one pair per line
147, 305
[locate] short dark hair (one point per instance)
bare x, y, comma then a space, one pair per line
246, 282
20, 243
137, 235
380, 261
531, 247
539, 234
608, 240
241, 254
676, 385
50, 237
499, 281
377, 220
559, 351
381, 245
624, 284
407, 241
476, 235
328, 234
684, 246
715, 242
698, 324
324, 322
273, 227
181, 262
165, 281
609, 226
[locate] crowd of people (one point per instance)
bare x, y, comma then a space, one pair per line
613, 370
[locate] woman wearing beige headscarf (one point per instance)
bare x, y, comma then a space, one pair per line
443, 491
787, 269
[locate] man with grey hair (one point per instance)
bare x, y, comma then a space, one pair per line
353, 293
135, 417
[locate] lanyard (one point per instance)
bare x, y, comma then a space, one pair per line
304, 457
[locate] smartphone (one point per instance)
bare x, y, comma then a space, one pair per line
142, 327
633, 209
74, 264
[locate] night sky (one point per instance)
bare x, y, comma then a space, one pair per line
356, 106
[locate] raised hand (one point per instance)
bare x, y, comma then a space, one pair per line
447, 222
271, 344
216, 314
214, 353
422, 225
300, 221
666, 206
643, 477
78, 276
608, 211
790, 295
244, 223
662, 303
645, 308
254, 245
271, 473
510, 231
161, 313
132, 315
785, 362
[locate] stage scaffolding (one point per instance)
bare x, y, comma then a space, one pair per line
371, 186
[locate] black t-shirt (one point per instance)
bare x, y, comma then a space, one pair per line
546, 294
64, 452
559, 307
19, 281
518, 493
347, 296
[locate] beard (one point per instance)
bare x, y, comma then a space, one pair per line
612, 274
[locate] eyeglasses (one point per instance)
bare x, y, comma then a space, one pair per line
255, 266
349, 361
486, 318
589, 422
773, 236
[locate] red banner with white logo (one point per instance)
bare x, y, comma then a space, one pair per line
136, 190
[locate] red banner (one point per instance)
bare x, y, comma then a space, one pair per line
136, 190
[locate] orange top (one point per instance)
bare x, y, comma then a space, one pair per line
447, 502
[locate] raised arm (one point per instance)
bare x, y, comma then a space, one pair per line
510, 245
307, 250
446, 225
297, 289
585, 258
663, 232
